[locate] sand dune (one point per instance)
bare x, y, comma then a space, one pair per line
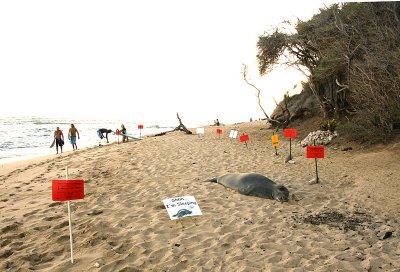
122, 225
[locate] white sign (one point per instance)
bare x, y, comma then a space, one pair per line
233, 134
199, 130
179, 207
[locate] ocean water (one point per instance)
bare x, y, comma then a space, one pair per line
28, 137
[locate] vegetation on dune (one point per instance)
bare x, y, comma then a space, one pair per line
351, 55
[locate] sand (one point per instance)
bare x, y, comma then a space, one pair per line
122, 225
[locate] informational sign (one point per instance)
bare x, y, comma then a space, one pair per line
200, 130
63, 190
140, 126
315, 152
275, 140
244, 138
233, 134
290, 133
179, 207
219, 131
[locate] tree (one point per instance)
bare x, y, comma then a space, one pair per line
351, 56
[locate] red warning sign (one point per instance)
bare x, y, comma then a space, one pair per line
67, 190
219, 131
316, 152
244, 138
290, 133
140, 127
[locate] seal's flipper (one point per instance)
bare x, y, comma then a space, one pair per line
211, 180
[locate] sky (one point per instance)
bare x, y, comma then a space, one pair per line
143, 60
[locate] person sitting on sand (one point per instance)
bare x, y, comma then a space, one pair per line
59, 137
123, 133
216, 122
101, 132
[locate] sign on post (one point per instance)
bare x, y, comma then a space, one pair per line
117, 132
233, 134
219, 132
275, 142
200, 130
66, 190
244, 138
179, 207
140, 127
63, 190
315, 152
290, 133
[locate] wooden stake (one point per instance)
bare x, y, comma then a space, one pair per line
70, 224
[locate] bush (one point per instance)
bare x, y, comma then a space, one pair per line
329, 125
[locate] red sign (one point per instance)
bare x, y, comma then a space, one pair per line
290, 133
67, 190
244, 138
118, 132
140, 127
219, 131
315, 152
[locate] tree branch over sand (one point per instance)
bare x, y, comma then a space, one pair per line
284, 110
244, 72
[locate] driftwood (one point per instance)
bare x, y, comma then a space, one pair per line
181, 126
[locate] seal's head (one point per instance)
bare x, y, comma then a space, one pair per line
281, 193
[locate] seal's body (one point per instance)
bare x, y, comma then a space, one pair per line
253, 184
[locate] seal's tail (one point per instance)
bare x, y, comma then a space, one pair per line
211, 180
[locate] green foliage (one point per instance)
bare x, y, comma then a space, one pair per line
329, 125
352, 53
273, 46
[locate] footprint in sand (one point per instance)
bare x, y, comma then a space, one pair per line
62, 225
52, 218
55, 204
30, 213
11, 227
41, 228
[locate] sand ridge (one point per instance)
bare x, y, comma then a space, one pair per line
121, 225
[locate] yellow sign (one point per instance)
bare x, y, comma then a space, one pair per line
275, 141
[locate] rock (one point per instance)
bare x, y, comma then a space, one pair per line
318, 137
97, 265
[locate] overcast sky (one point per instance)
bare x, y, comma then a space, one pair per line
143, 60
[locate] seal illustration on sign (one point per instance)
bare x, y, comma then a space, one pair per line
253, 184
182, 213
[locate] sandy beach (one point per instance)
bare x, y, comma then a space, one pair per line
347, 222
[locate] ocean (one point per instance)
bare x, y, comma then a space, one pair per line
29, 137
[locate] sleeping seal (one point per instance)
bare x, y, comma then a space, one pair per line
254, 185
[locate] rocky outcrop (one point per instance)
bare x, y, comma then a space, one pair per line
300, 105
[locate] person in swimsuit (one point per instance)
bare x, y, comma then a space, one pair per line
59, 136
73, 132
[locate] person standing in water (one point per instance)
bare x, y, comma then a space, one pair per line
59, 137
73, 132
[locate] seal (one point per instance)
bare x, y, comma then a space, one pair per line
253, 184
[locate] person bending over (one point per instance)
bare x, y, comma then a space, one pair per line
101, 132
